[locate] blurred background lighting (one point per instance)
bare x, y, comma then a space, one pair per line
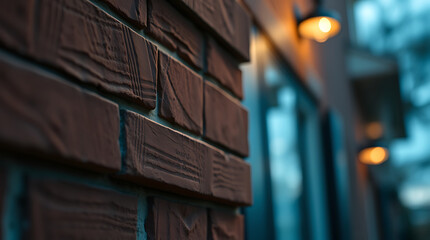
415, 196
319, 28
374, 130
373, 155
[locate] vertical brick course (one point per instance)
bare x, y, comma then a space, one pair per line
42, 114
60, 210
170, 220
226, 121
181, 95
167, 25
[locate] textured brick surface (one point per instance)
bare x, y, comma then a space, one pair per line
60, 210
226, 121
172, 29
40, 113
2, 197
157, 156
85, 42
16, 21
225, 225
223, 68
181, 94
160, 157
169, 220
60, 62
226, 18
231, 178
133, 10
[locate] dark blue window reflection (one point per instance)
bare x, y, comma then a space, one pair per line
400, 28
285, 166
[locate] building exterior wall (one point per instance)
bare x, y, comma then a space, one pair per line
122, 119
320, 68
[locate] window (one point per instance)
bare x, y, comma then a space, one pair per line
287, 172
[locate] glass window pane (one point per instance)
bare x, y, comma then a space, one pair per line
285, 166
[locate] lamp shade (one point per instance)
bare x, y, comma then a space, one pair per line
320, 25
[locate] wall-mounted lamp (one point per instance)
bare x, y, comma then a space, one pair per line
373, 155
374, 130
320, 25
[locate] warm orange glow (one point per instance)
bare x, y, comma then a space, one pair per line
374, 130
324, 25
373, 155
319, 28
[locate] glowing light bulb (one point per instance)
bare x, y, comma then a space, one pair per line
373, 155
319, 28
324, 25
377, 155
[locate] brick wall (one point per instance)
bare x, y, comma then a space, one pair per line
121, 119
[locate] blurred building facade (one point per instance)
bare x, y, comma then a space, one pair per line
399, 30
314, 106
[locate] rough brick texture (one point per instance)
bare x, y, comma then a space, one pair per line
140, 96
167, 25
60, 210
2, 199
88, 44
181, 94
158, 155
227, 19
224, 68
230, 178
226, 121
134, 11
225, 225
170, 220
42, 114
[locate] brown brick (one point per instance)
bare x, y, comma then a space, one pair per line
3, 183
16, 21
174, 31
227, 19
231, 178
133, 10
224, 68
85, 42
169, 220
41, 114
181, 94
225, 225
159, 156
60, 210
226, 121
